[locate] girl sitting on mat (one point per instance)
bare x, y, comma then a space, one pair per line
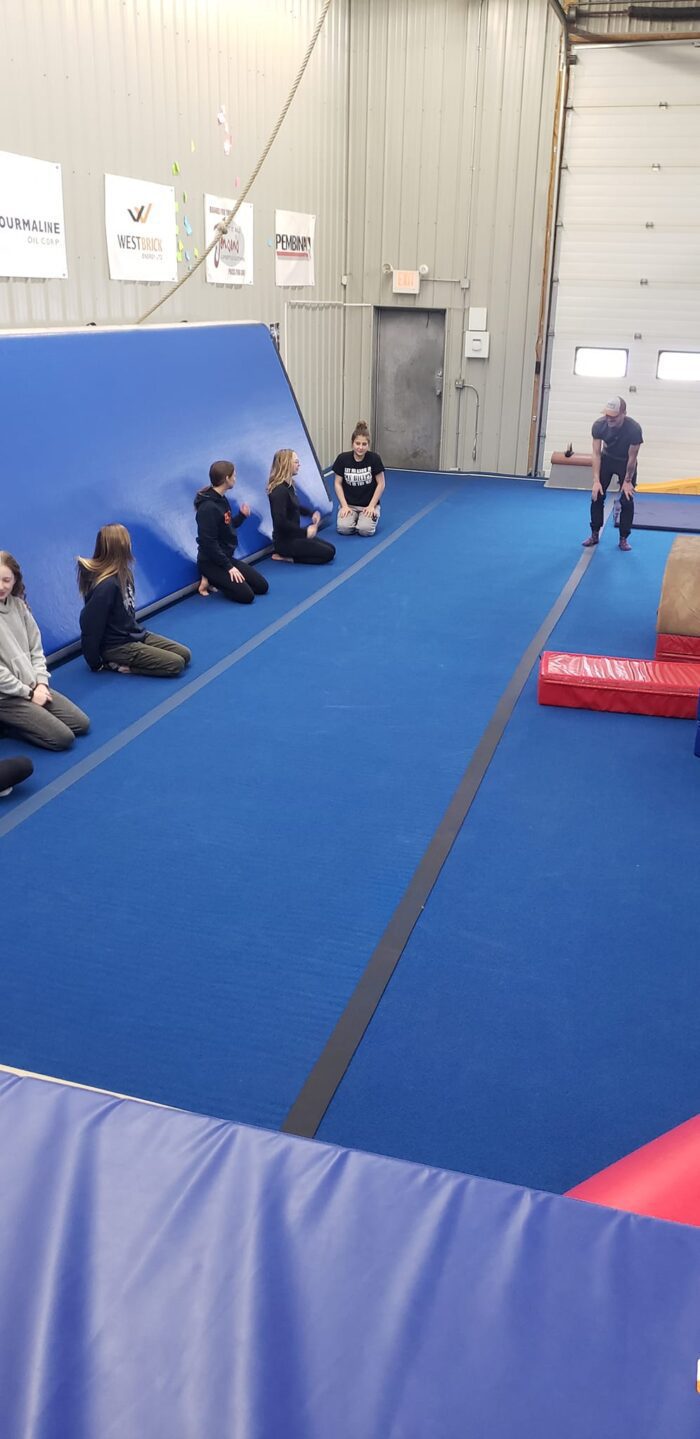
291, 541
216, 540
112, 638
29, 709
359, 485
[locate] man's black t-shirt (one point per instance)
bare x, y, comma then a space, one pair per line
357, 476
617, 441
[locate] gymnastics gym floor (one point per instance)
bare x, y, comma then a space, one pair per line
199, 886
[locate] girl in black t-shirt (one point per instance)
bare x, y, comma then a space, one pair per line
359, 485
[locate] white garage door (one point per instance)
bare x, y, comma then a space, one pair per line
627, 272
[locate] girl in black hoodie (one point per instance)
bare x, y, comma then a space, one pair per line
216, 540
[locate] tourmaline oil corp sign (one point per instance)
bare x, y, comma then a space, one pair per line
32, 233
294, 248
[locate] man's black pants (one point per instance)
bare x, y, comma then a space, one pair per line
608, 469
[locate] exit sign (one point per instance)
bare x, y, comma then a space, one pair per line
406, 282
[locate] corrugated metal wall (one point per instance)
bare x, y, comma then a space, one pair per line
452, 104
421, 135
125, 88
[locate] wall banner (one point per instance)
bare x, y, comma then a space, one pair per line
294, 248
231, 262
32, 233
140, 223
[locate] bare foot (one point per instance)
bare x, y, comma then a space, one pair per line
284, 559
203, 587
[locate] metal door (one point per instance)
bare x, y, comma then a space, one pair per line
410, 356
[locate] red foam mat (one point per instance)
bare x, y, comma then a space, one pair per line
661, 1179
677, 647
668, 688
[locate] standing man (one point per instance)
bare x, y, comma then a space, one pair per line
616, 441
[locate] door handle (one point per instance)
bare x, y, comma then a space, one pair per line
438, 382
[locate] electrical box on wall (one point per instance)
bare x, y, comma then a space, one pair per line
476, 345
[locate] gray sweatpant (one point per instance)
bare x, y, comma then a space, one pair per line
50, 726
357, 523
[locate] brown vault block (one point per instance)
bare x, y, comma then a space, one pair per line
679, 607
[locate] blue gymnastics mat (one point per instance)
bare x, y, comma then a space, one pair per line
121, 426
680, 513
541, 1022
167, 1274
214, 889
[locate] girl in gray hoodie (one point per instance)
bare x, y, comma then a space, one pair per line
29, 709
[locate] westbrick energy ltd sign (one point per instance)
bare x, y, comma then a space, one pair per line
140, 223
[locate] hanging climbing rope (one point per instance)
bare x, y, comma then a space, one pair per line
223, 225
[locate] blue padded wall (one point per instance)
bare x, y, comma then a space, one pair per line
121, 426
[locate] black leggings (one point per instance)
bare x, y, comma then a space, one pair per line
13, 771
609, 468
307, 552
243, 593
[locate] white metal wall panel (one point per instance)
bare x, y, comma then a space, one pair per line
676, 138
421, 134
628, 261
126, 88
660, 256
314, 346
452, 106
668, 196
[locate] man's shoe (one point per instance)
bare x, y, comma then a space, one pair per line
625, 544
592, 540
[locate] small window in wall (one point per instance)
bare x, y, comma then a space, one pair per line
600, 364
678, 365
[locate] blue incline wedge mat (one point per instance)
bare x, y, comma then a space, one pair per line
164, 1274
213, 891
121, 426
541, 1022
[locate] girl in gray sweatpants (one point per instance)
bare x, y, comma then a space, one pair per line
30, 709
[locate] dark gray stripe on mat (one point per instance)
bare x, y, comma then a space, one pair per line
314, 1098
59, 786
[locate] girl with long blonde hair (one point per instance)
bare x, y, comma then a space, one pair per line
112, 638
291, 540
30, 709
